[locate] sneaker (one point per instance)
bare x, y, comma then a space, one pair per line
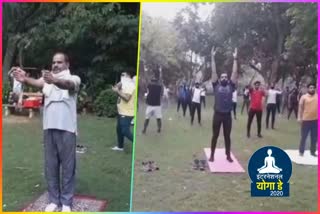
314, 155
66, 208
260, 136
117, 148
51, 207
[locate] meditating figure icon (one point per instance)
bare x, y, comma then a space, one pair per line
269, 164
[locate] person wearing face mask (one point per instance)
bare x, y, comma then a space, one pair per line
271, 105
60, 127
196, 103
223, 89
126, 95
308, 117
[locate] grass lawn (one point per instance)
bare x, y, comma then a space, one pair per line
178, 187
101, 172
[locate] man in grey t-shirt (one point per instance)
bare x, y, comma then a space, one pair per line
60, 126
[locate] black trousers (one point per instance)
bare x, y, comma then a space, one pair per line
293, 108
203, 100
251, 115
246, 103
196, 106
285, 106
234, 106
225, 120
278, 106
271, 109
179, 104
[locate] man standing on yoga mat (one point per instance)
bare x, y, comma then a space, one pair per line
308, 117
223, 89
126, 94
60, 126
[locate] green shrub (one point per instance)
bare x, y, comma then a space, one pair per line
106, 103
6, 92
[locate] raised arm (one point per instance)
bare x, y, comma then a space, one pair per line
214, 75
252, 78
234, 75
20, 75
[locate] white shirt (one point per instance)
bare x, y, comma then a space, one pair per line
62, 113
196, 95
234, 96
166, 92
203, 92
272, 96
17, 86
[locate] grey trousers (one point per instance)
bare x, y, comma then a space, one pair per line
60, 150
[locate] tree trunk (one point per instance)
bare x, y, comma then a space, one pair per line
9, 56
20, 51
280, 44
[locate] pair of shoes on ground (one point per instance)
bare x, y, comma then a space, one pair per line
199, 164
149, 166
81, 149
52, 207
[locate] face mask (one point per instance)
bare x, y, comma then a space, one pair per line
125, 80
224, 82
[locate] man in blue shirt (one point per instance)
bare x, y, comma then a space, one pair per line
223, 89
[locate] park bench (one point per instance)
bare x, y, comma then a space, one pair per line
33, 102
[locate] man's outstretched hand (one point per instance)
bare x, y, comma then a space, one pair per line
49, 78
19, 74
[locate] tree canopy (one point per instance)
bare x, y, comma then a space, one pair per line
281, 36
100, 38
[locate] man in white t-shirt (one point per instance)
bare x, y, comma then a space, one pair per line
165, 97
271, 106
60, 89
234, 102
196, 105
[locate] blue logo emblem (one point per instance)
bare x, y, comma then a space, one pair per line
270, 169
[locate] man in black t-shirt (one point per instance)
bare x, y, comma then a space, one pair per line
154, 94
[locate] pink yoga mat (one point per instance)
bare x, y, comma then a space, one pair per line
220, 163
